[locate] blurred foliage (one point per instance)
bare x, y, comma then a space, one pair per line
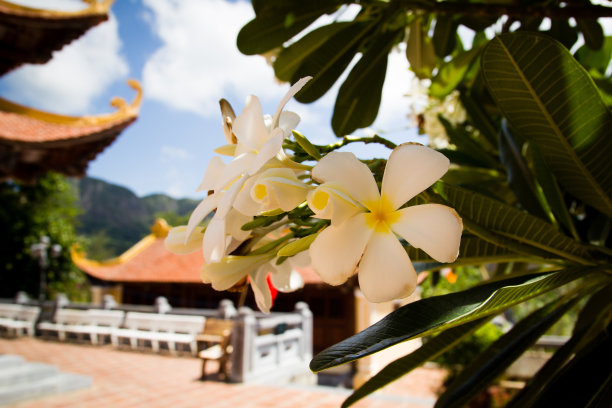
28, 212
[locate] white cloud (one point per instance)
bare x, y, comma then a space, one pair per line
76, 75
199, 62
171, 153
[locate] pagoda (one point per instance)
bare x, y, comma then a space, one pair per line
33, 142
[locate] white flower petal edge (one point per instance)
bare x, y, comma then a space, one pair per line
347, 171
295, 88
411, 168
385, 272
337, 250
284, 277
202, 210
434, 228
175, 240
259, 284
231, 269
215, 241
329, 201
213, 172
249, 127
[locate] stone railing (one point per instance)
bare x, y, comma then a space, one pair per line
272, 348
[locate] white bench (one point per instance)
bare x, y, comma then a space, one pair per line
159, 328
96, 323
18, 319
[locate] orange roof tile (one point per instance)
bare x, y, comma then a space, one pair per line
149, 261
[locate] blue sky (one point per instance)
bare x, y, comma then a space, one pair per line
184, 54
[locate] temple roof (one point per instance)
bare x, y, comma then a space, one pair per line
148, 261
33, 142
30, 35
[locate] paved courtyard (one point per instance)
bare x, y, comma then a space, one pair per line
123, 379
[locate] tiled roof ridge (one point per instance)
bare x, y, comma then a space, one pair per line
124, 111
95, 7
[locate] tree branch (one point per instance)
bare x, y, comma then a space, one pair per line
511, 10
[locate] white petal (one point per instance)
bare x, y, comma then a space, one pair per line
234, 222
292, 91
227, 200
411, 168
434, 228
346, 170
337, 250
226, 150
261, 290
227, 272
202, 210
233, 170
213, 172
270, 149
385, 272
249, 127
329, 201
287, 122
285, 278
300, 260
244, 203
214, 242
279, 188
175, 240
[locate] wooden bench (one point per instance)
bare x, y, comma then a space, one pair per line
18, 319
95, 323
217, 337
155, 328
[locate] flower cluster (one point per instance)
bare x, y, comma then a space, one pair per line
272, 213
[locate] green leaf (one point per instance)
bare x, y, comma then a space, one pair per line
500, 218
464, 142
444, 35
520, 178
278, 21
290, 58
552, 192
299, 245
592, 32
480, 119
359, 96
420, 50
592, 321
595, 59
503, 352
433, 314
427, 352
330, 60
585, 381
452, 73
550, 99
306, 145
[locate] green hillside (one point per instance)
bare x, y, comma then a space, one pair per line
113, 218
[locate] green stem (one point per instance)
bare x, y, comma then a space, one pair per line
347, 140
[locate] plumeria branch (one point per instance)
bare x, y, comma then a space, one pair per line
366, 140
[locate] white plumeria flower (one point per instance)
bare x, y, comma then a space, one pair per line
175, 241
259, 140
276, 188
232, 269
367, 237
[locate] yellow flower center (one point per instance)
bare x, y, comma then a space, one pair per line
320, 199
260, 192
382, 215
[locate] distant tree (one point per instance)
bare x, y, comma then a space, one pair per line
28, 212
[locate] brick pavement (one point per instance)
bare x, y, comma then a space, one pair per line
128, 379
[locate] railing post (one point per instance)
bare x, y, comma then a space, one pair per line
108, 302
226, 309
303, 309
161, 305
243, 337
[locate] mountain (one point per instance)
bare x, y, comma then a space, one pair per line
113, 218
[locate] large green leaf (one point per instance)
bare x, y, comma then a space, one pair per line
278, 22
359, 96
591, 323
427, 352
330, 60
433, 314
500, 218
451, 73
520, 179
420, 50
504, 351
445, 35
290, 58
550, 99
